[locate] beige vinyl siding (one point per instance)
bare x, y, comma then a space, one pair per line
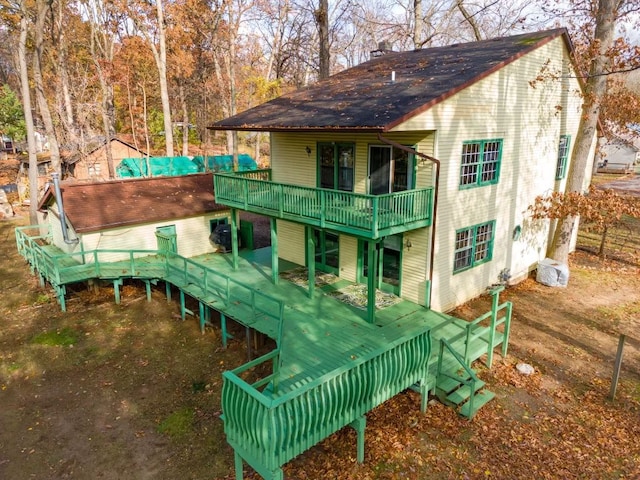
415, 263
530, 134
291, 242
291, 164
348, 257
192, 237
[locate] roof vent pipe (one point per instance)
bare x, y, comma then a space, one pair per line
393, 76
63, 218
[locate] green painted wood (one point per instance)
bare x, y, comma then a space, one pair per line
481, 398
331, 365
462, 394
370, 216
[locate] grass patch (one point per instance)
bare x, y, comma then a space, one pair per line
56, 338
178, 424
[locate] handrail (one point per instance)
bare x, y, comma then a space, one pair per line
473, 378
58, 268
365, 214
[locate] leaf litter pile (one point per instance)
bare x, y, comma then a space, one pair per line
117, 397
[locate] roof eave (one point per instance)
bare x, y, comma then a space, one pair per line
273, 128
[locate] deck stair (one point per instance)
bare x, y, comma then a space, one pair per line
327, 370
459, 387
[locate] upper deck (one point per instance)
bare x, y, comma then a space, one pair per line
368, 216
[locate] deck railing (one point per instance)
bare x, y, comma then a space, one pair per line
238, 300
372, 216
268, 428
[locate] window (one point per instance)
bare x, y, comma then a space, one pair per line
563, 156
474, 245
94, 170
480, 163
335, 166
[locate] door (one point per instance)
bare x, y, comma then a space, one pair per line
327, 252
388, 266
389, 170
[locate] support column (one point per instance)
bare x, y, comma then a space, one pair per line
234, 237
116, 290
183, 310
223, 327
311, 260
275, 267
359, 425
371, 281
167, 288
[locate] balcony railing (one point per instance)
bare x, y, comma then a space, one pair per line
371, 216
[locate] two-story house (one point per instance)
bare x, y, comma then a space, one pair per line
413, 172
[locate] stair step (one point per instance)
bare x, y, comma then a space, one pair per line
448, 384
479, 400
463, 393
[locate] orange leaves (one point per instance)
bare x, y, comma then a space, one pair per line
600, 207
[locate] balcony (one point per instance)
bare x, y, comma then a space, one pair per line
369, 216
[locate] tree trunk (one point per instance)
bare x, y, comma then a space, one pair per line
322, 19
595, 89
417, 24
603, 240
28, 116
185, 122
161, 60
43, 9
470, 20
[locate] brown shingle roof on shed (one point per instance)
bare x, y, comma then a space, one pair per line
365, 98
91, 207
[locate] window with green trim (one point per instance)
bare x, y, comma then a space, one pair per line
563, 156
474, 245
480, 162
335, 166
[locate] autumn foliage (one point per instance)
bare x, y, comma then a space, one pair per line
599, 209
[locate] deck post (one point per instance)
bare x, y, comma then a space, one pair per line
183, 310
234, 238
372, 251
275, 273
359, 425
116, 289
147, 285
311, 260
167, 288
495, 294
203, 312
238, 465
223, 327
617, 366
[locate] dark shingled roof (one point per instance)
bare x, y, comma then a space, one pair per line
365, 98
91, 207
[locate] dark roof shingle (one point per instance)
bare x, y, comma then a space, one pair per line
365, 97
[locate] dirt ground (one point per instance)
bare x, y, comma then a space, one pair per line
132, 392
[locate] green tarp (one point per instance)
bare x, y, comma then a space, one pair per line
172, 166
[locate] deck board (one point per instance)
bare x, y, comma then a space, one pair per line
321, 333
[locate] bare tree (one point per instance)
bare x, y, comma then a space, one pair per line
43, 9
28, 117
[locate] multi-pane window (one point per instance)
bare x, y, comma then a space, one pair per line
336, 161
474, 245
563, 156
480, 162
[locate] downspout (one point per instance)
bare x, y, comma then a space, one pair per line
63, 219
435, 202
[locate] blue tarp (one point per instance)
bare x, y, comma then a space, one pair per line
172, 166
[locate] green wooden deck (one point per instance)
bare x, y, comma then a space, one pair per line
370, 216
330, 366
